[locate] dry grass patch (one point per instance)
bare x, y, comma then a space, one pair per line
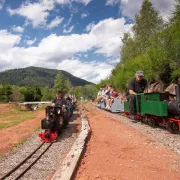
11, 115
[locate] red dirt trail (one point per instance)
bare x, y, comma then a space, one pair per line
15, 134
117, 151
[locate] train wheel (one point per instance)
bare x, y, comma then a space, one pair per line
142, 120
174, 127
153, 123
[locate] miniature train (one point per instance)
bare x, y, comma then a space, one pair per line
57, 118
153, 108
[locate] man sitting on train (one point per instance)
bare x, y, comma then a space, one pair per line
136, 85
59, 100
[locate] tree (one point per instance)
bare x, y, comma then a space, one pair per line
77, 91
37, 93
31, 93
47, 94
129, 48
61, 83
5, 92
175, 19
147, 23
16, 95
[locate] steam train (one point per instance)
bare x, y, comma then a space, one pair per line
57, 118
155, 109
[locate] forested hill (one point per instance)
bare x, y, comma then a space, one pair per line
42, 77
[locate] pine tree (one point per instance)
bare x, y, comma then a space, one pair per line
147, 23
47, 94
129, 48
61, 83
175, 19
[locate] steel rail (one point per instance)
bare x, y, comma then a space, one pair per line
23, 162
20, 175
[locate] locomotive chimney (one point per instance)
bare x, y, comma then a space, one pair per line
177, 88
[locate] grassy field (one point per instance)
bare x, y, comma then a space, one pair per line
11, 115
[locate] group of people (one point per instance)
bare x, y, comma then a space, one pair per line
107, 94
62, 101
137, 85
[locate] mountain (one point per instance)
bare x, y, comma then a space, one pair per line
37, 76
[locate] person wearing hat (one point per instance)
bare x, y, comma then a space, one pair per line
59, 100
136, 85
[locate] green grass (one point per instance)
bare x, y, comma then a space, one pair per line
19, 143
2, 155
85, 102
16, 145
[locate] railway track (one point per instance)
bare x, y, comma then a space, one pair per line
25, 165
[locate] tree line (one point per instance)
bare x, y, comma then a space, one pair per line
153, 46
34, 93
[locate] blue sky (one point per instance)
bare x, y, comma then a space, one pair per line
82, 37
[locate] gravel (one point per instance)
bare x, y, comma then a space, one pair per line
161, 135
48, 163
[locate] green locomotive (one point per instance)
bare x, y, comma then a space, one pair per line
157, 109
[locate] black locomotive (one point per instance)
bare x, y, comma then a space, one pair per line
57, 118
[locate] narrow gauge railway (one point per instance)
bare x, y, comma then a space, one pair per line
57, 118
26, 164
155, 109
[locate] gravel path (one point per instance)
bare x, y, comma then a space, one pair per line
48, 163
161, 135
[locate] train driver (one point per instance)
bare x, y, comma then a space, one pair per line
136, 85
59, 100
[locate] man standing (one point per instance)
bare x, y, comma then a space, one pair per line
136, 86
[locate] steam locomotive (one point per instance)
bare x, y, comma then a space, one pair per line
57, 118
158, 109
155, 109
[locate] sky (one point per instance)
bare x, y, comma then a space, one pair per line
82, 37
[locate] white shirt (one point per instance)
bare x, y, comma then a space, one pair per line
100, 93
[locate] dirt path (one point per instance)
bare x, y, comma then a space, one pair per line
16, 134
119, 152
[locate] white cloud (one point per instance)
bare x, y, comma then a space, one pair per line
30, 42
112, 2
130, 7
7, 41
69, 30
18, 29
2, 3
85, 2
35, 13
114, 61
55, 22
108, 33
69, 21
90, 26
84, 15
91, 71
54, 50
63, 1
